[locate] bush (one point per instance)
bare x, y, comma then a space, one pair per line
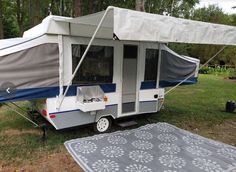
232, 74
219, 71
204, 70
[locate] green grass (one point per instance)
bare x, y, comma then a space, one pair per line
199, 106
203, 103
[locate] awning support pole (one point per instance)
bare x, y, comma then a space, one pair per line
189, 76
14, 110
61, 63
61, 99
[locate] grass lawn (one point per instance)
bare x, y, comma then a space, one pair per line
198, 108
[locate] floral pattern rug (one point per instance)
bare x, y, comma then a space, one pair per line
152, 148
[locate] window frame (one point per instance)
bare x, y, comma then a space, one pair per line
87, 81
157, 64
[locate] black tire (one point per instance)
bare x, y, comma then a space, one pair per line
103, 125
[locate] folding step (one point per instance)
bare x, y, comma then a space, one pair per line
127, 124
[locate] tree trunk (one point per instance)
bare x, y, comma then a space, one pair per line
31, 13
20, 15
1, 20
61, 7
77, 8
94, 6
51, 8
172, 7
90, 7
140, 5
36, 19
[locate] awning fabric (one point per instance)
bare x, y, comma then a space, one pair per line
138, 26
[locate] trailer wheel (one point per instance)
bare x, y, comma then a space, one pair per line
103, 125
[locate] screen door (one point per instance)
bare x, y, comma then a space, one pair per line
130, 54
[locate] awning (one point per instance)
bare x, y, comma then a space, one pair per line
138, 26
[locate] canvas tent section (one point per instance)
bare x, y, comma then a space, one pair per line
39, 63
175, 68
29, 68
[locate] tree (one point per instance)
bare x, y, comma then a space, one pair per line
9, 19
61, 7
177, 8
77, 8
20, 13
1, 21
140, 5
36, 12
212, 14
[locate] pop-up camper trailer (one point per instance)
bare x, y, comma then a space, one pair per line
102, 66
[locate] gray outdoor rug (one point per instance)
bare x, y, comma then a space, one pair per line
152, 148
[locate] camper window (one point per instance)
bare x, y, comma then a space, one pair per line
97, 66
151, 64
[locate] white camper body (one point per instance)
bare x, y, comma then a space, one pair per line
124, 73
128, 92
123, 95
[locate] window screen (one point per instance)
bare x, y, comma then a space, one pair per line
130, 52
151, 64
97, 67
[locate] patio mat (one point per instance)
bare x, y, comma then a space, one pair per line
152, 148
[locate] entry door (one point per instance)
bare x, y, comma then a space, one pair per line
129, 81
149, 92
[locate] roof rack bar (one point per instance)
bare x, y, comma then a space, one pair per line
62, 97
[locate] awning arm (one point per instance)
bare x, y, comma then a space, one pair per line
62, 97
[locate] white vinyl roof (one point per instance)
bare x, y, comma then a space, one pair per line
138, 26
6, 43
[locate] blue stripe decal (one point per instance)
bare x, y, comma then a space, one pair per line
30, 94
48, 92
152, 84
190, 81
148, 101
55, 113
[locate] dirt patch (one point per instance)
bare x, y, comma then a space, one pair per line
224, 132
230, 80
14, 132
60, 161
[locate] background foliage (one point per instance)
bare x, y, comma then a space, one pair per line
16, 16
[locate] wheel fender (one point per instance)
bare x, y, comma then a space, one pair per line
100, 116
